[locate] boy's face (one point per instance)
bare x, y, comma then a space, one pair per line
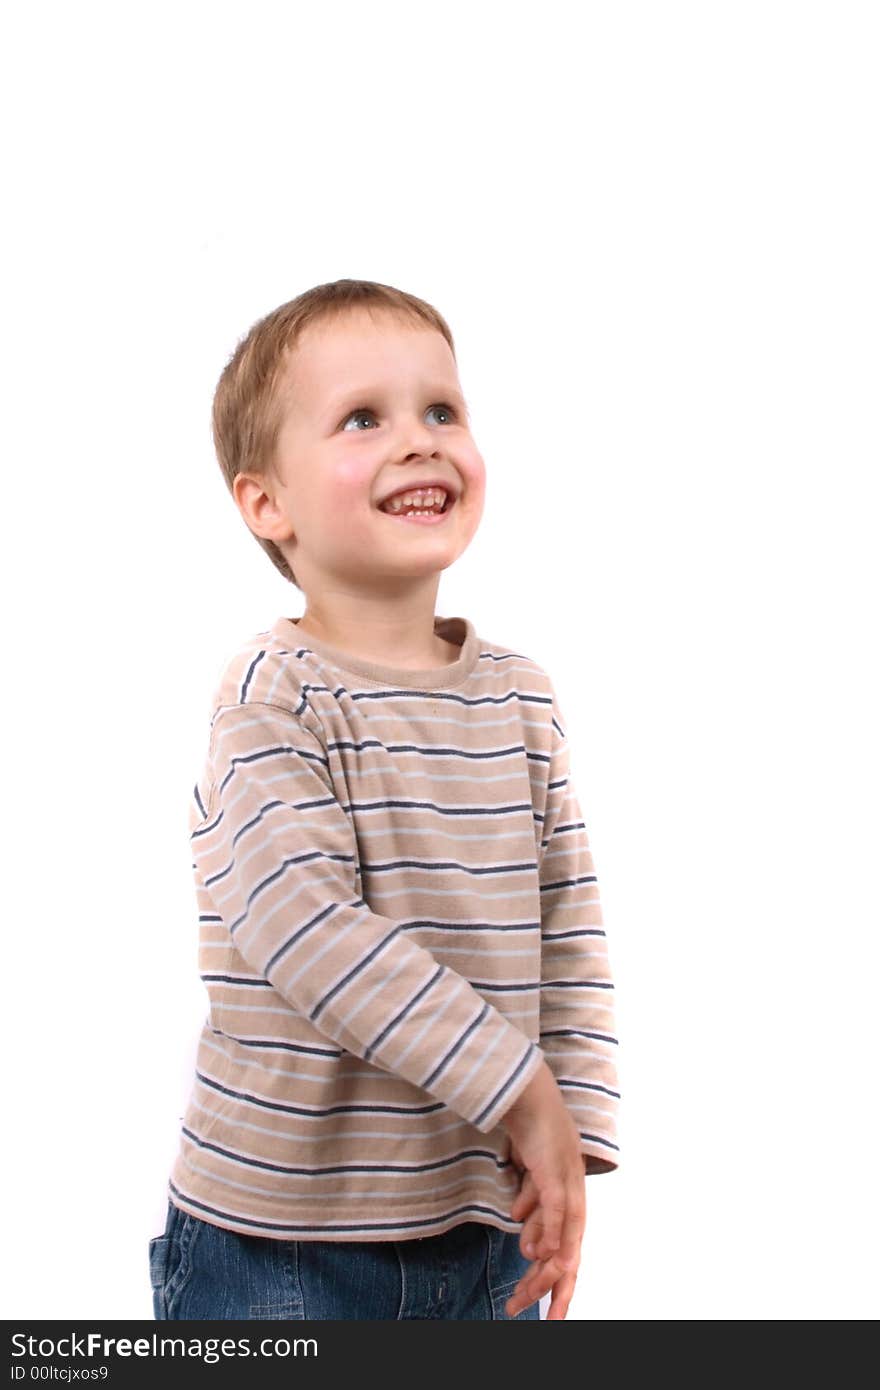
373, 405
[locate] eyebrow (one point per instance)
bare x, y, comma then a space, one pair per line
357, 395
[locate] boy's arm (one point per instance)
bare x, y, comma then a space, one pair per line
577, 992
278, 855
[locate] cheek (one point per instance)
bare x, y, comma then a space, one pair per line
348, 485
473, 472
475, 506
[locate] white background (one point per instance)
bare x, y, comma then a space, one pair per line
653, 229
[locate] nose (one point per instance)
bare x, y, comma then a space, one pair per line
416, 438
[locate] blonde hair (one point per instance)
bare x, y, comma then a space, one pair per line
248, 409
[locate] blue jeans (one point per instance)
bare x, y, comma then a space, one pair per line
199, 1270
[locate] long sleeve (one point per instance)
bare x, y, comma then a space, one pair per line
577, 991
278, 855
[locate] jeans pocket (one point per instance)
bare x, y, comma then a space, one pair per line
505, 1267
169, 1259
158, 1250
499, 1296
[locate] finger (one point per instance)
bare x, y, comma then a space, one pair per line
562, 1292
553, 1209
568, 1256
531, 1234
526, 1293
569, 1252
536, 1242
537, 1280
521, 1296
524, 1205
526, 1209
525, 1200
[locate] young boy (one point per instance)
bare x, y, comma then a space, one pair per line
409, 1061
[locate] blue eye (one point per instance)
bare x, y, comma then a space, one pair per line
364, 410
361, 411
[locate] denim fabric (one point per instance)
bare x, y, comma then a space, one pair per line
199, 1270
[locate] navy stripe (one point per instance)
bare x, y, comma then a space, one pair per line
347, 1228
487, 1110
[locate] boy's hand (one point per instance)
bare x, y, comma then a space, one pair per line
542, 1276
552, 1200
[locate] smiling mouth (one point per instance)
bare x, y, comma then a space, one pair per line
422, 517
419, 503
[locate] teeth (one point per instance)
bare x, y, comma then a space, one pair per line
422, 502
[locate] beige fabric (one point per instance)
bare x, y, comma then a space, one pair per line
398, 917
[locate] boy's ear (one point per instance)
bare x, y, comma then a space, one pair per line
255, 499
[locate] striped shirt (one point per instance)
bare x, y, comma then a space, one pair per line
398, 920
